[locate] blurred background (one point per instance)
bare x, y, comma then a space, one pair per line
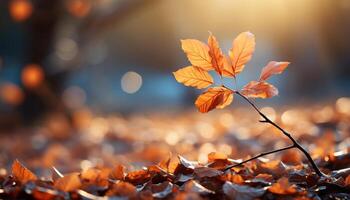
64, 63
118, 55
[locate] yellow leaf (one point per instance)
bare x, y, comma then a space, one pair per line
217, 57
197, 53
22, 173
193, 76
216, 97
68, 183
241, 52
256, 89
272, 68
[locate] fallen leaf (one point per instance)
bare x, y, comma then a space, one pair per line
272, 68
217, 57
186, 163
347, 181
68, 183
118, 172
162, 190
21, 173
197, 53
193, 76
242, 192
123, 189
98, 177
256, 89
202, 172
216, 97
194, 186
282, 186
213, 156
241, 52
138, 177
275, 167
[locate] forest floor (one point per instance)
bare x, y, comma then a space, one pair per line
179, 155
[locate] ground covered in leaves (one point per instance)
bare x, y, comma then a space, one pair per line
178, 156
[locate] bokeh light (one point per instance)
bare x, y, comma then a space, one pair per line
66, 49
20, 10
11, 93
131, 82
79, 8
74, 97
32, 76
343, 105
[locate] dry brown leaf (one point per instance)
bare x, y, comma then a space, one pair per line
347, 181
256, 89
272, 68
242, 192
282, 187
236, 178
217, 57
68, 183
96, 176
138, 177
122, 189
213, 156
118, 172
202, 172
241, 52
22, 173
193, 76
197, 53
216, 97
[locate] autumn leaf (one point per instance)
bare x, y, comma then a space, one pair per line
217, 57
197, 53
68, 183
241, 52
272, 68
257, 89
193, 76
22, 173
347, 181
283, 187
216, 97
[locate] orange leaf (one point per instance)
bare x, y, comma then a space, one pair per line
216, 97
283, 187
22, 173
347, 181
193, 76
256, 89
217, 57
197, 53
68, 183
272, 68
241, 52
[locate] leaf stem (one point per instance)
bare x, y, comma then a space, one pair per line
258, 156
295, 143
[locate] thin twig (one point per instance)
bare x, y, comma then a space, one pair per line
295, 143
258, 156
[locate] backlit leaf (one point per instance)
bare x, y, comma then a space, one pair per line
282, 187
193, 76
197, 53
217, 57
272, 68
256, 89
216, 97
68, 183
22, 173
241, 52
